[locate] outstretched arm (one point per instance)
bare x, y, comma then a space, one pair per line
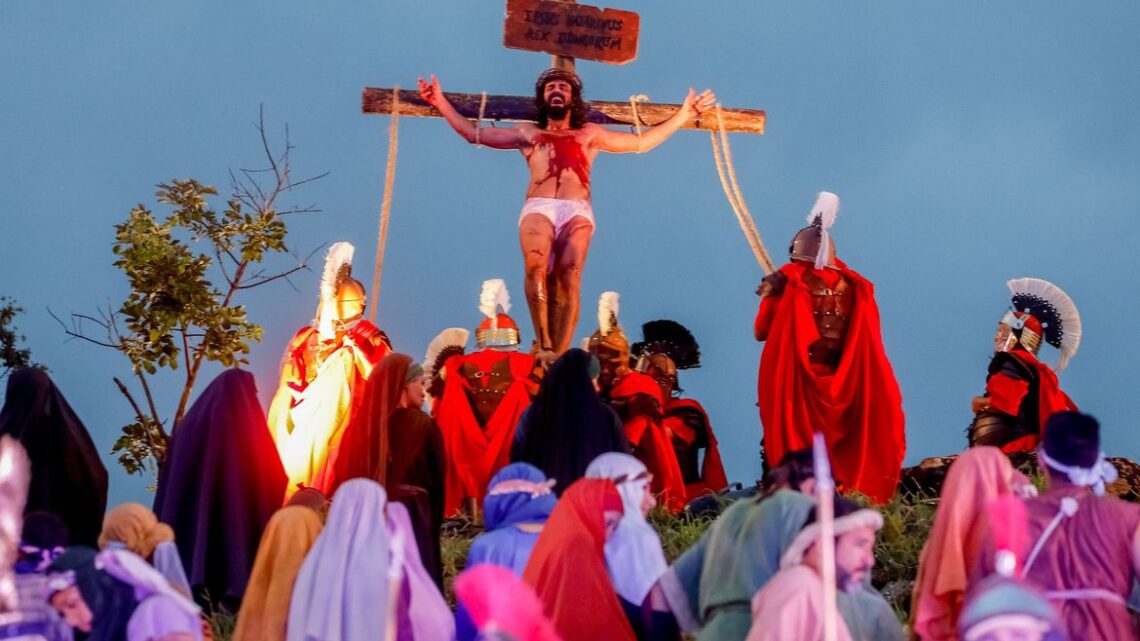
620, 142
496, 137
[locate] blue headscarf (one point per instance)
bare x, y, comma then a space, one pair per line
528, 500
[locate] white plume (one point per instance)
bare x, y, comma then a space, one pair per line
1066, 310
450, 337
338, 254
608, 306
827, 209
494, 296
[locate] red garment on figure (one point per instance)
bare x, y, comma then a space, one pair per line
645, 430
567, 568
1006, 394
712, 478
858, 407
475, 453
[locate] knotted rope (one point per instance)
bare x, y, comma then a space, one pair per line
633, 100
386, 203
482, 111
722, 154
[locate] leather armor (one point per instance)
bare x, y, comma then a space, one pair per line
991, 427
486, 388
831, 310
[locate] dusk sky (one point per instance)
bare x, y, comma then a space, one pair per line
970, 143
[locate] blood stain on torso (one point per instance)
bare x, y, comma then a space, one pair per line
563, 153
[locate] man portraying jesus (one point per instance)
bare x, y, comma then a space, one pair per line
557, 219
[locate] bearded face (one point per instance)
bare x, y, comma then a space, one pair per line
557, 96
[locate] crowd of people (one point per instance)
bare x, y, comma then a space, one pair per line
321, 519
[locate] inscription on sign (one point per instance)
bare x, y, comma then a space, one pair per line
572, 30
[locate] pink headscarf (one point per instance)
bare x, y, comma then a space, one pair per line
961, 528
498, 600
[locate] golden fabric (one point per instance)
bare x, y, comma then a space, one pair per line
136, 527
265, 607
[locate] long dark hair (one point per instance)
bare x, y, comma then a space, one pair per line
578, 106
795, 468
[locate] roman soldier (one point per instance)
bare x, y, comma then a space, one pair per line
1021, 391
480, 395
323, 367
639, 401
667, 347
824, 368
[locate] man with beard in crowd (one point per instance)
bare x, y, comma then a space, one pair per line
557, 219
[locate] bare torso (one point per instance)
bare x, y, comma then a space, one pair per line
559, 161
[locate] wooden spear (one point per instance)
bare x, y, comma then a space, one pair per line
825, 491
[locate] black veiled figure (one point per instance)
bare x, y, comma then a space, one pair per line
567, 426
220, 483
68, 478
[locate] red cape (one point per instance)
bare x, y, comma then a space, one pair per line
1006, 394
858, 408
475, 453
646, 432
713, 478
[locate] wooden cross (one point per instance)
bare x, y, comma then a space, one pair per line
521, 16
564, 29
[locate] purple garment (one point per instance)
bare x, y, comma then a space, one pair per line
158, 616
1092, 549
422, 613
221, 482
504, 544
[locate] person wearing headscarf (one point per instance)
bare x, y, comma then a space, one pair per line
517, 505
219, 485
133, 527
68, 476
568, 426
791, 605
42, 540
395, 443
633, 554
311, 498
421, 612
501, 606
957, 540
568, 566
287, 539
1083, 544
115, 595
341, 590
710, 587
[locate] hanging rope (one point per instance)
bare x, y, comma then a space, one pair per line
386, 203
722, 154
482, 110
633, 100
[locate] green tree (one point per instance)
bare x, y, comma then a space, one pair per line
185, 271
12, 355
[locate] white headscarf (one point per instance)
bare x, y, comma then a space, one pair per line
341, 592
633, 554
133, 570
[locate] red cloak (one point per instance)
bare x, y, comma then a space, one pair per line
1006, 394
475, 453
858, 407
680, 414
643, 416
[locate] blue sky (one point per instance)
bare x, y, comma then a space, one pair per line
970, 143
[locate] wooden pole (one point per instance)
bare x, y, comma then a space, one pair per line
378, 100
825, 490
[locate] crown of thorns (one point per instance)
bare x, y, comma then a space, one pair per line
558, 74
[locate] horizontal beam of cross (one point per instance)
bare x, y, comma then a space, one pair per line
376, 100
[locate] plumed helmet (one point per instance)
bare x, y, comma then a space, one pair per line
813, 243
671, 339
497, 331
1039, 309
609, 334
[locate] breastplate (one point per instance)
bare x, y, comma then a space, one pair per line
486, 388
831, 311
